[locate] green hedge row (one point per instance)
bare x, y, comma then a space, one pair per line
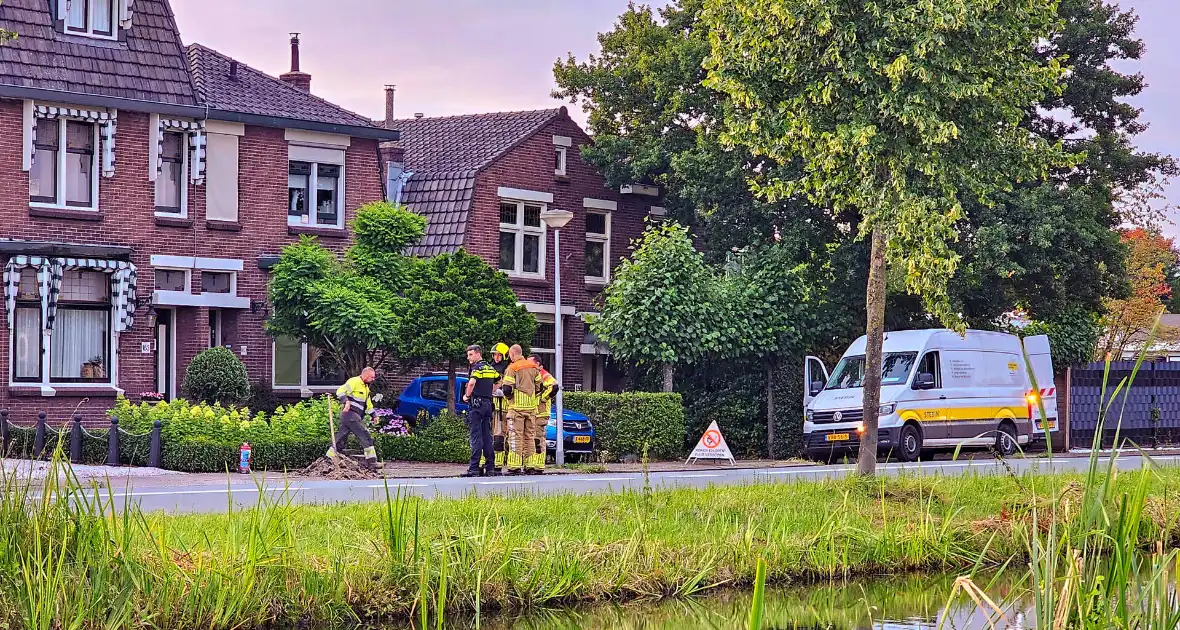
207, 438
625, 423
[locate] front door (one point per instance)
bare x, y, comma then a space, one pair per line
165, 354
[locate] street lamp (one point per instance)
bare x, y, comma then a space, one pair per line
555, 220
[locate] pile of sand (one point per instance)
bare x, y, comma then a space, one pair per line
340, 468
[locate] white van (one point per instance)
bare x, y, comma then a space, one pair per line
938, 390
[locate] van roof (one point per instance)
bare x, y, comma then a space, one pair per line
918, 340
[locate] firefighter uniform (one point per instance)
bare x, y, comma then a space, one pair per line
358, 407
499, 408
522, 386
549, 389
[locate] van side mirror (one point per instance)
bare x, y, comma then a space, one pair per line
816, 387
925, 380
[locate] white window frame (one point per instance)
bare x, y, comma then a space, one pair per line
89, 30
217, 328
46, 384
184, 177
188, 281
305, 390
552, 321
562, 156
59, 202
520, 230
605, 240
233, 282
312, 182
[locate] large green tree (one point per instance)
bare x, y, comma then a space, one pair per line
456, 300
898, 110
350, 308
664, 306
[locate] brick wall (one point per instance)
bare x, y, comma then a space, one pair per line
529, 166
126, 218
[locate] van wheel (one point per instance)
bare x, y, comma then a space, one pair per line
1006, 444
909, 446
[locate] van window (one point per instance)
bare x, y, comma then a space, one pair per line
929, 365
850, 372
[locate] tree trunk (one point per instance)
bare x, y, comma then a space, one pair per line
866, 463
770, 420
451, 386
668, 377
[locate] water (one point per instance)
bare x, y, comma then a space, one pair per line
906, 603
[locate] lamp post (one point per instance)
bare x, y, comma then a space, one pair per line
555, 220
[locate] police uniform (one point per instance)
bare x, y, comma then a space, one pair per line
358, 405
479, 417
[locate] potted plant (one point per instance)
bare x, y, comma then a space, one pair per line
151, 397
93, 368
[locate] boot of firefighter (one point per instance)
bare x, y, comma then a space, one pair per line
514, 461
536, 463
498, 447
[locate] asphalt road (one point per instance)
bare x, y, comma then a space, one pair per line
245, 493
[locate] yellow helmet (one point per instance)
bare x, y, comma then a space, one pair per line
501, 348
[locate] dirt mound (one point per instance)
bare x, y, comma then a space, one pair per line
341, 468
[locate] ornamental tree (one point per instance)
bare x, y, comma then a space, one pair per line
350, 308
1128, 321
897, 110
663, 306
455, 300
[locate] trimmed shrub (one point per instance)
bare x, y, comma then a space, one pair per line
625, 423
207, 438
217, 375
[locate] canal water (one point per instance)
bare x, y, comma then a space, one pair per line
907, 603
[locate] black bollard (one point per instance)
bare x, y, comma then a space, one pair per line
5, 438
156, 456
113, 443
76, 440
39, 437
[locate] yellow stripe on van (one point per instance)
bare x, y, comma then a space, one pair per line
960, 414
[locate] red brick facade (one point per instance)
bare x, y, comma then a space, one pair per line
126, 218
530, 166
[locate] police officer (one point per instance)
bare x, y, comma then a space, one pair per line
358, 404
481, 383
549, 388
499, 406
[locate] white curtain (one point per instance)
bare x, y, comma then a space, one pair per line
76, 14
27, 362
102, 16
79, 337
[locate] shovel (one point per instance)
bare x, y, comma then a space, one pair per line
332, 437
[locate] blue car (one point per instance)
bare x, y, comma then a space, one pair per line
429, 393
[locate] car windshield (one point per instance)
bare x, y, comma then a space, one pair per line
850, 372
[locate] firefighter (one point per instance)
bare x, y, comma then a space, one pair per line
549, 389
499, 408
358, 407
481, 383
522, 387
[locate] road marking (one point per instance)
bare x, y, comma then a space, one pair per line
177, 492
401, 485
596, 479
693, 476
503, 483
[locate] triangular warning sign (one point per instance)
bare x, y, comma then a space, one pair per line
711, 446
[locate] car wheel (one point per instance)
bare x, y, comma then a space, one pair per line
1006, 444
909, 444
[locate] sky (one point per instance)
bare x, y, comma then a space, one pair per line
451, 57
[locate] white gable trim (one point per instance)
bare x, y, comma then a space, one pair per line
524, 195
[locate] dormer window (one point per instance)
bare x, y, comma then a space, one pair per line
96, 18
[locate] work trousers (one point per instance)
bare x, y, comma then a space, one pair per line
537, 461
524, 423
479, 426
353, 423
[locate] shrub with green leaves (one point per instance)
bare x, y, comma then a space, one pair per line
625, 423
217, 375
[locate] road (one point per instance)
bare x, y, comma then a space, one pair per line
244, 493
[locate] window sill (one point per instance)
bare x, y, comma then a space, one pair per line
529, 281
32, 390
330, 232
223, 226
561, 179
173, 221
64, 212
596, 284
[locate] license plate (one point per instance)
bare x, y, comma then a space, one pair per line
581, 439
837, 437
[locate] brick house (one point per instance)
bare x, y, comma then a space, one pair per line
482, 182
145, 187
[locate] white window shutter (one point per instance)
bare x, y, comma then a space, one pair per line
126, 13
61, 6
156, 132
30, 130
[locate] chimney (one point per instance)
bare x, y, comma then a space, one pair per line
419, 115
389, 90
295, 78
233, 70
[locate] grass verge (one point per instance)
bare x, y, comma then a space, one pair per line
71, 561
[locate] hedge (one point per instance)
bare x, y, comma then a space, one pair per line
207, 438
625, 423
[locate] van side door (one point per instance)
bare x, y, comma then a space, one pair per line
815, 374
928, 403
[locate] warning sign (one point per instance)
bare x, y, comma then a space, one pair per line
711, 446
